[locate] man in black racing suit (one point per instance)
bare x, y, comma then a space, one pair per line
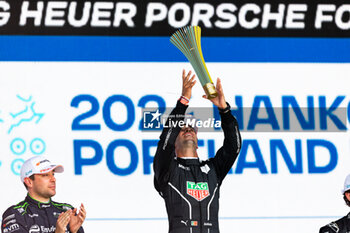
38, 213
341, 225
189, 186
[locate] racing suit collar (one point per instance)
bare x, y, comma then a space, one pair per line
41, 205
189, 161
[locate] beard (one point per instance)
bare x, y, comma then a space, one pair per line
190, 143
46, 193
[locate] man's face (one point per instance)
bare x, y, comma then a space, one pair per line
44, 185
347, 194
186, 137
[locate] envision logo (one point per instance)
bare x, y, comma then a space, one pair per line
34, 228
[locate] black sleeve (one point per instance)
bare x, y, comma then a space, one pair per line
12, 221
334, 227
227, 154
327, 229
166, 146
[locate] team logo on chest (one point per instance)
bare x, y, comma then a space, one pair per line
198, 191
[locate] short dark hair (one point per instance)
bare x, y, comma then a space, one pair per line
347, 202
30, 177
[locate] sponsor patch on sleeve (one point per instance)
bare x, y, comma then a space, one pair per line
9, 222
334, 226
9, 217
11, 228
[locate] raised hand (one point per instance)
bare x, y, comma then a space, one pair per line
219, 101
187, 84
62, 221
76, 220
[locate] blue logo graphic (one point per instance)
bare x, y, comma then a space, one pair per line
151, 120
1, 121
28, 114
16, 166
37, 146
18, 146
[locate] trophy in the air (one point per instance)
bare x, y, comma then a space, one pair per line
188, 40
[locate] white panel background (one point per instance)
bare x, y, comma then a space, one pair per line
250, 202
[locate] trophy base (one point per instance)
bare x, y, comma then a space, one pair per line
210, 90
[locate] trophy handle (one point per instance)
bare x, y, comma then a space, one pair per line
210, 90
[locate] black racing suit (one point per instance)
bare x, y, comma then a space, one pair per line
340, 226
190, 187
31, 216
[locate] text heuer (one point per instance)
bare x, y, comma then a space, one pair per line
199, 191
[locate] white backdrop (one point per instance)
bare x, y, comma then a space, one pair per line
250, 202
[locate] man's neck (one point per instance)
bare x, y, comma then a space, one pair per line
38, 197
187, 152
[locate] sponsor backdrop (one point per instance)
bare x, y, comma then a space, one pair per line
76, 76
